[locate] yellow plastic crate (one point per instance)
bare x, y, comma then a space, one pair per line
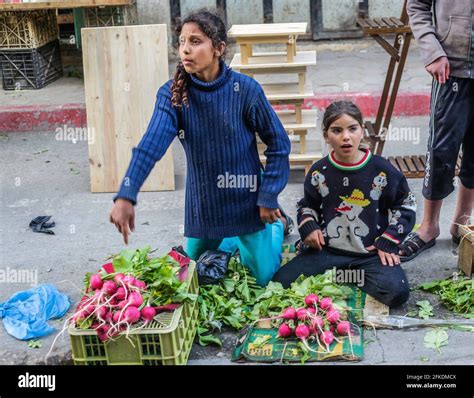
165, 341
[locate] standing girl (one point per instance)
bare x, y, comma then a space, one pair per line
356, 209
215, 113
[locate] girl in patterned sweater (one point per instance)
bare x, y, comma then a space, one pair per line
356, 210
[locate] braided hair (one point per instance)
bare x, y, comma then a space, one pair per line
214, 28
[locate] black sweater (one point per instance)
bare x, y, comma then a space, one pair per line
357, 205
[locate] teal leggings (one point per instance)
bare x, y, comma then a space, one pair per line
259, 251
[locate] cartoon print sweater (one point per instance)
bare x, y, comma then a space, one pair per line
357, 205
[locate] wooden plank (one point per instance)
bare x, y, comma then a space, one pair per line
423, 160
268, 29
397, 22
411, 166
287, 91
393, 162
54, 4
120, 92
65, 19
381, 23
371, 23
402, 166
309, 117
418, 164
274, 61
388, 22
362, 23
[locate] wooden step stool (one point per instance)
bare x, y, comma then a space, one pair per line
300, 159
276, 62
273, 33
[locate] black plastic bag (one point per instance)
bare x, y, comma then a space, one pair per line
212, 266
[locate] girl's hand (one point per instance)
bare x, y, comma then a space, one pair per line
315, 240
269, 216
387, 258
123, 216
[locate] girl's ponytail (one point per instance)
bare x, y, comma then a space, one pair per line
179, 95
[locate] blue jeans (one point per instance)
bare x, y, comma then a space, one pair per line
260, 251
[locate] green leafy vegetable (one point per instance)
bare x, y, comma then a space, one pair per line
436, 339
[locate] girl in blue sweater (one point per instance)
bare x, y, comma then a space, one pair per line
215, 113
356, 210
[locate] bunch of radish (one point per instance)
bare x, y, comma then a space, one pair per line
318, 319
113, 304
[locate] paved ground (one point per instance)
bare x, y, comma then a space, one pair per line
41, 175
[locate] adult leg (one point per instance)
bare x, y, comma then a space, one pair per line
447, 130
466, 175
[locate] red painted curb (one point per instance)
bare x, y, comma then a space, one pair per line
41, 118
49, 118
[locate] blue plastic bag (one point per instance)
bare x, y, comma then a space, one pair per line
25, 314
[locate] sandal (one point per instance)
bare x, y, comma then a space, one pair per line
290, 225
456, 240
414, 245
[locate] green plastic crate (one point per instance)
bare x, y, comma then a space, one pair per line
165, 341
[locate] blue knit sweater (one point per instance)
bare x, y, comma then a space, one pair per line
224, 185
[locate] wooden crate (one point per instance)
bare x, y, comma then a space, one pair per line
27, 29
120, 91
466, 249
111, 16
24, 69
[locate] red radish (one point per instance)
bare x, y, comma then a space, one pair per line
327, 337
332, 328
135, 299
120, 294
302, 332
96, 282
148, 313
116, 317
333, 316
119, 278
132, 314
317, 322
108, 317
302, 314
122, 304
325, 303
89, 309
102, 312
284, 330
311, 299
311, 310
129, 280
289, 313
109, 287
140, 284
343, 328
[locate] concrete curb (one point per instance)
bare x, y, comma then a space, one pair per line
35, 118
